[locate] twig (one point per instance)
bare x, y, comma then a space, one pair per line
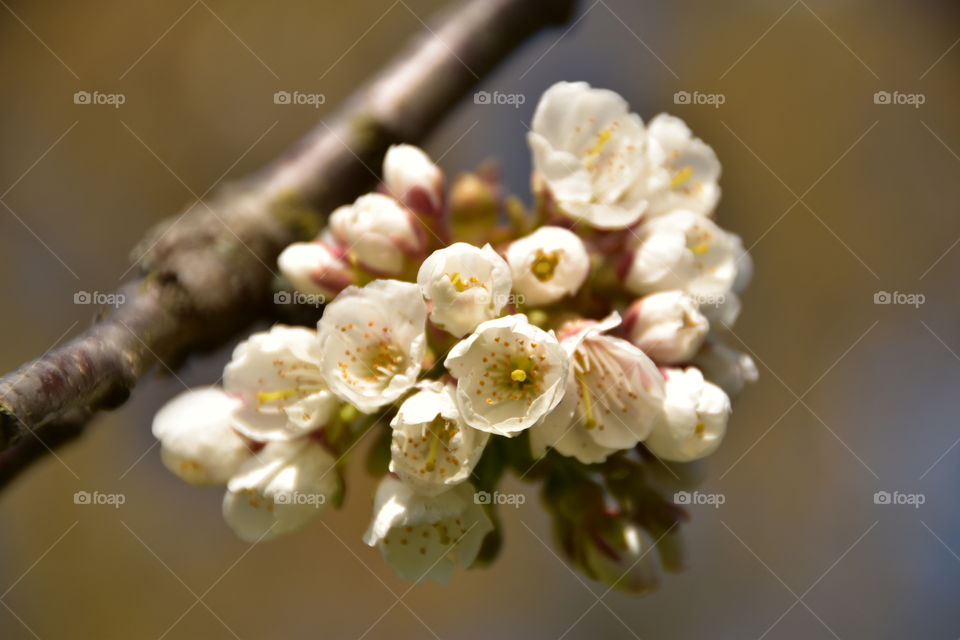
207, 274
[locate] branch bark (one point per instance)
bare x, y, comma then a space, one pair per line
206, 274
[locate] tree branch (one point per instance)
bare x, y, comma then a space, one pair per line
206, 274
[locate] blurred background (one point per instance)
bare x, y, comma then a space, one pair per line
838, 193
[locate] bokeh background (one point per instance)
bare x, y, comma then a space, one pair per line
837, 197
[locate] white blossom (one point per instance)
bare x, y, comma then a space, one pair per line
276, 376
432, 448
281, 490
197, 439
509, 373
465, 285
378, 232
548, 264
688, 169
682, 250
727, 368
411, 177
315, 268
667, 326
695, 414
590, 153
614, 395
422, 537
372, 342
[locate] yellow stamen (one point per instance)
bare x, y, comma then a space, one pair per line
270, 396
680, 177
518, 375
544, 264
458, 282
590, 422
602, 139
701, 248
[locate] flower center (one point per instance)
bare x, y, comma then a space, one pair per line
544, 264
681, 177
460, 284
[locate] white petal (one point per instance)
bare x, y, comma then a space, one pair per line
563, 429
313, 268
466, 286
548, 264
695, 418
424, 537
197, 441
692, 169
589, 150
276, 376
407, 168
667, 326
378, 232
373, 341
432, 449
682, 250
490, 398
281, 490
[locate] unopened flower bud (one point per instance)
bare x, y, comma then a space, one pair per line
411, 177
315, 268
378, 232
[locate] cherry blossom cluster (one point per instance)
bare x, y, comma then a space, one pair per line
476, 335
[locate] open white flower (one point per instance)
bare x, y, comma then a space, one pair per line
727, 368
614, 395
425, 537
466, 285
689, 169
411, 177
281, 490
315, 268
372, 342
590, 153
548, 264
695, 417
432, 449
682, 250
509, 373
197, 439
667, 326
378, 232
276, 376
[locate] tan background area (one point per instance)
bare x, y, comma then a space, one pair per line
838, 198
